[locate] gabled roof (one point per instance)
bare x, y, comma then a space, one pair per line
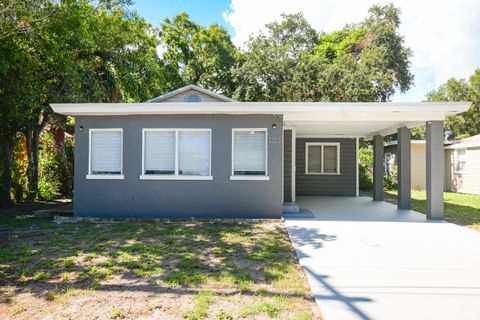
470, 142
190, 87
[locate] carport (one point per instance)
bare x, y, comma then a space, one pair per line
373, 121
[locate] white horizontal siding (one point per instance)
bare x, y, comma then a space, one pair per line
469, 180
419, 169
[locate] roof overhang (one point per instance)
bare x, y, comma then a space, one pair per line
309, 118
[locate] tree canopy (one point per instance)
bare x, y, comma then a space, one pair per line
291, 61
468, 123
193, 54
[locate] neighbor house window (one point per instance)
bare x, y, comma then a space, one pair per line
322, 158
460, 162
176, 154
105, 154
249, 154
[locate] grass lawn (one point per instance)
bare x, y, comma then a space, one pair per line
460, 208
127, 270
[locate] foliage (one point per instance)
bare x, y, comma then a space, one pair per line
467, 123
19, 170
292, 62
365, 168
49, 166
193, 54
390, 181
68, 51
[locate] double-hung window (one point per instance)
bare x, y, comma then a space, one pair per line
322, 158
105, 154
249, 154
171, 154
460, 159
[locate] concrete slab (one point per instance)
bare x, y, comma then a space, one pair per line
368, 260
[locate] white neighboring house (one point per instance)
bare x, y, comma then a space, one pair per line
462, 166
418, 161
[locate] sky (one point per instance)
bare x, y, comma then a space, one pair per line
444, 35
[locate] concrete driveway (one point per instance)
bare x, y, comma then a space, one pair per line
367, 260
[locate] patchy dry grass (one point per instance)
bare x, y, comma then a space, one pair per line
179, 270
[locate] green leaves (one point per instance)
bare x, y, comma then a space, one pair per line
292, 62
194, 54
468, 123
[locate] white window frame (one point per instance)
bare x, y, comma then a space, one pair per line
322, 145
456, 160
92, 176
264, 177
176, 176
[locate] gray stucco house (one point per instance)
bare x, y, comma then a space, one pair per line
196, 153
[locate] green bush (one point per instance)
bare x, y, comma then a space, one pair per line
19, 170
390, 181
365, 168
48, 168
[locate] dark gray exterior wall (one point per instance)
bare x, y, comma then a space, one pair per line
132, 197
344, 184
287, 166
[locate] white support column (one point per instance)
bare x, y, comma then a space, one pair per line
404, 168
378, 169
435, 170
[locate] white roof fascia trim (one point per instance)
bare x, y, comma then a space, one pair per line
291, 110
186, 88
463, 145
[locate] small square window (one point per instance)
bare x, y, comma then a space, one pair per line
105, 152
322, 158
249, 152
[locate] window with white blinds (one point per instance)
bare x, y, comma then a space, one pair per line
106, 151
322, 158
159, 151
249, 152
171, 153
194, 153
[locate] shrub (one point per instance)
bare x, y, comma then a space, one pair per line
19, 169
365, 169
390, 181
48, 168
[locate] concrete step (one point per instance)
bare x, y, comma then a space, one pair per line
290, 207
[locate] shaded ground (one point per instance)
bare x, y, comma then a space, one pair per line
29, 208
460, 208
178, 270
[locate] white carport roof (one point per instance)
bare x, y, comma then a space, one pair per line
309, 118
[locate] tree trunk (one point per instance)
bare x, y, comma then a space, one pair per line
32, 136
58, 130
6, 156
